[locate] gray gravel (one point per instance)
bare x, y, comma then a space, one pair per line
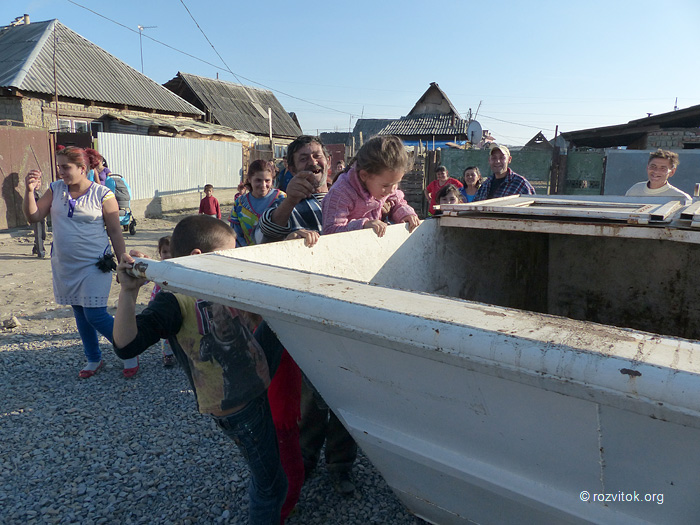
112, 450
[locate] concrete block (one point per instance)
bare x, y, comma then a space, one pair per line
157, 206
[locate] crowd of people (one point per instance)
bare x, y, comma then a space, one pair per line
241, 374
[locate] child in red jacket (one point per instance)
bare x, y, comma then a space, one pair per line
209, 205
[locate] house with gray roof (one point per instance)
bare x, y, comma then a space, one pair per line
239, 107
676, 130
433, 120
53, 78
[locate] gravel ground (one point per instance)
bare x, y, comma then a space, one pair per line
112, 450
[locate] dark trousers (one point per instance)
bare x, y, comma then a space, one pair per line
39, 238
319, 424
252, 430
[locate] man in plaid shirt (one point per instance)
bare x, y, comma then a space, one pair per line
504, 180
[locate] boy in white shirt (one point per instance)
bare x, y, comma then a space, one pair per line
661, 166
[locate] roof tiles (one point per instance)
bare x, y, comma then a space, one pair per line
84, 71
237, 106
426, 125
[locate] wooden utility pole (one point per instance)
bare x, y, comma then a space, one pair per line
55, 81
272, 144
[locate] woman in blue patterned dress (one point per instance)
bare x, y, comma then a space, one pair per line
248, 207
85, 218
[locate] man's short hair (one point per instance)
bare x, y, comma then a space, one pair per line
665, 154
502, 149
441, 168
208, 187
299, 143
202, 232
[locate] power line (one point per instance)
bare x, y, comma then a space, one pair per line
517, 123
227, 69
207, 39
150, 38
253, 81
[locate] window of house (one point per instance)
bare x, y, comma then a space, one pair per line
64, 125
80, 126
95, 128
280, 151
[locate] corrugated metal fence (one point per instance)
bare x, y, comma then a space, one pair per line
21, 150
161, 166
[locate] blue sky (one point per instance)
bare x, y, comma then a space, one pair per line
527, 66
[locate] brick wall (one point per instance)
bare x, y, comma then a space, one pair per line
672, 138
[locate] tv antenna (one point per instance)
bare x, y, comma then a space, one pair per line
141, 28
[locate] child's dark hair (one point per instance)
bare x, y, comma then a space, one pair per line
380, 153
201, 232
256, 166
208, 187
162, 243
446, 190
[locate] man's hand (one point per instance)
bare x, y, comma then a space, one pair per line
378, 226
413, 222
310, 237
32, 181
126, 262
301, 186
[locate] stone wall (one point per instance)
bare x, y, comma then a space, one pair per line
672, 139
38, 112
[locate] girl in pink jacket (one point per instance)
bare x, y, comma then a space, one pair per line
359, 195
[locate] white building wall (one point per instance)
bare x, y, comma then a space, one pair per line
164, 166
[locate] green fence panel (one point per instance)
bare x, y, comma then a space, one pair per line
584, 173
535, 166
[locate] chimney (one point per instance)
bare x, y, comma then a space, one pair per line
26, 19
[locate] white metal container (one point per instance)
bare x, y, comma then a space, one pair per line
454, 358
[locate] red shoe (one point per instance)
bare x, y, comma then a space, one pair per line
131, 372
85, 373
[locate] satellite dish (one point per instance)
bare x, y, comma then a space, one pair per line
474, 132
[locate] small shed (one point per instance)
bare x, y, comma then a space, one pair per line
238, 107
538, 143
679, 129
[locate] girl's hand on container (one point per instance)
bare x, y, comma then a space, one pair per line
413, 222
379, 227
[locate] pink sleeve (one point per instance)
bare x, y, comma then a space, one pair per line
337, 207
400, 209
